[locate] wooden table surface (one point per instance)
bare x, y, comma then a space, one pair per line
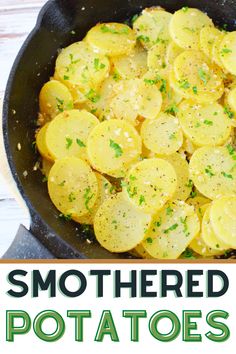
17, 19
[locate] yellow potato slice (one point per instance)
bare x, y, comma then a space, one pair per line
208, 235
223, 219
150, 184
41, 143
198, 202
172, 230
156, 59
172, 52
126, 100
46, 167
185, 27
198, 245
153, 27
141, 252
104, 192
193, 70
213, 171
180, 165
118, 226
185, 89
188, 147
208, 35
113, 146
54, 98
72, 187
228, 52
131, 66
101, 108
150, 102
231, 99
68, 133
111, 39
79, 67
162, 135
204, 124
216, 55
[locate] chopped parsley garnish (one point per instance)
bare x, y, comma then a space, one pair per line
145, 39
72, 61
66, 217
229, 113
158, 223
208, 122
192, 30
45, 179
116, 147
163, 86
190, 184
203, 76
65, 77
172, 228
87, 197
185, 8
188, 253
93, 111
80, 143
195, 90
141, 200
132, 178
149, 240
151, 82
226, 175
134, 18
60, 104
97, 65
225, 51
69, 142
172, 109
193, 194
169, 211
93, 96
184, 84
173, 136
231, 151
184, 222
132, 192
197, 125
209, 171
116, 76
62, 184
71, 197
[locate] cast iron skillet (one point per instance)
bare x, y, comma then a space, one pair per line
60, 23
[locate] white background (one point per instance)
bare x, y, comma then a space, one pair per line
29, 343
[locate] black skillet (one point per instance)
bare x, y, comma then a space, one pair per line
60, 23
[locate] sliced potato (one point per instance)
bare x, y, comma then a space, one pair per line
204, 124
228, 52
150, 100
198, 202
193, 70
104, 192
150, 184
73, 187
172, 52
131, 66
41, 143
111, 39
54, 98
208, 35
223, 219
182, 171
118, 226
153, 27
216, 55
126, 100
231, 99
172, 230
141, 252
113, 146
213, 171
156, 59
162, 135
46, 167
82, 69
68, 133
185, 89
198, 245
185, 27
208, 235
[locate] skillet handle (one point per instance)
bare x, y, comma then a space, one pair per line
26, 246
